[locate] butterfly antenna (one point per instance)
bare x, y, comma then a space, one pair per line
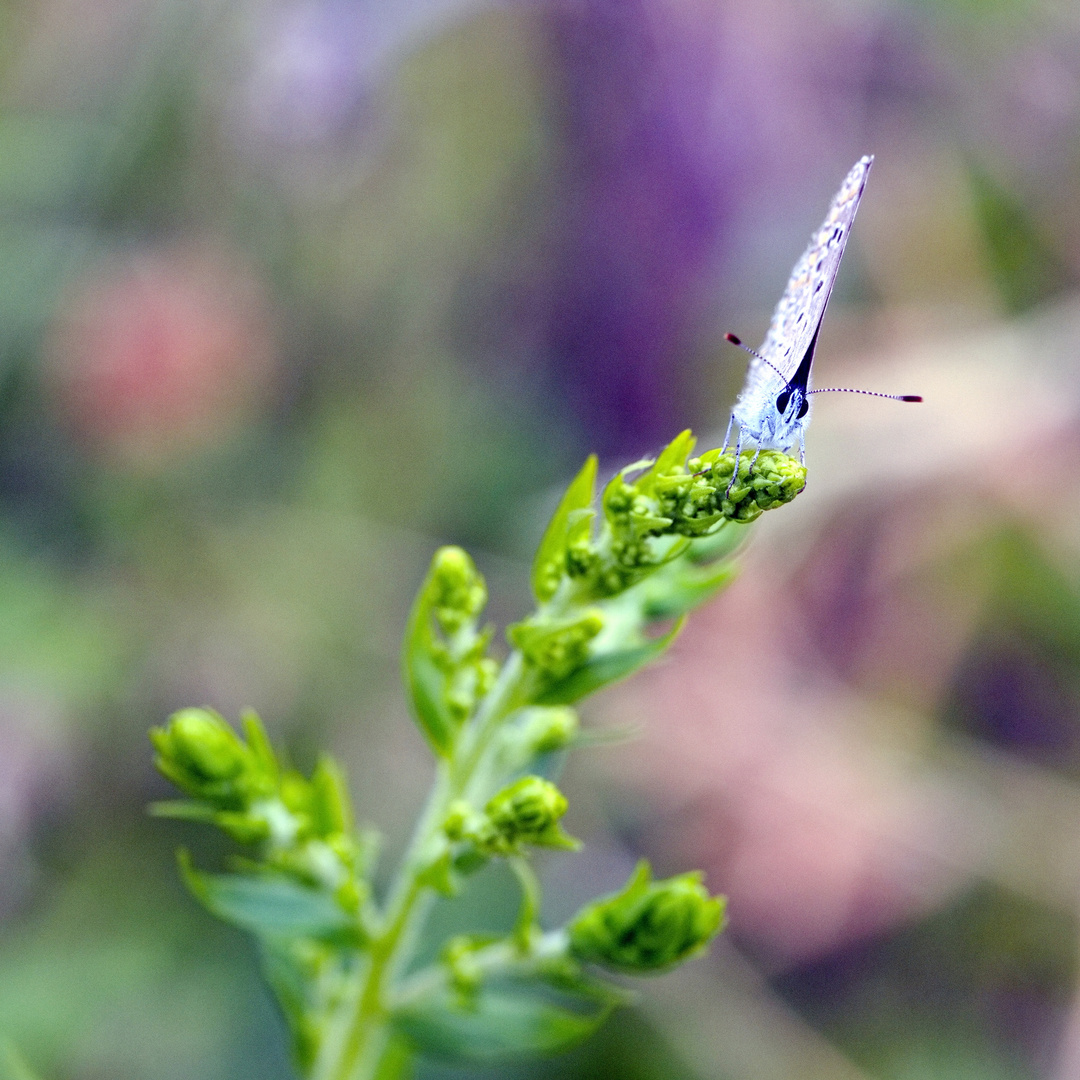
753, 352
868, 393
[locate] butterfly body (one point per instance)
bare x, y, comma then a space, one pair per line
773, 409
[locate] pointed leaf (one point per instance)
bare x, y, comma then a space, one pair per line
549, 561
331, 806
271, 905
293, 981
605, 668
503, 1020
687, 588
259, 743
424, 680
675, 453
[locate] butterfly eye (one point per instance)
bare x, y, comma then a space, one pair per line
782, 402
804, 408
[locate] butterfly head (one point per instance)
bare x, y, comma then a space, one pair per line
792, 404
790, 415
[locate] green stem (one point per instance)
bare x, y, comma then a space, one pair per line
524, 930
358, 1036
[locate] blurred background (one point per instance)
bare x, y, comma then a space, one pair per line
292, 291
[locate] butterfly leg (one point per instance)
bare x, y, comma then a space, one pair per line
753, 460
735, 472
727, 434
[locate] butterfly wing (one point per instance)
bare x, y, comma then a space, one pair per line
799, 313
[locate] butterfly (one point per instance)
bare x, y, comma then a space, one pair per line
773, 409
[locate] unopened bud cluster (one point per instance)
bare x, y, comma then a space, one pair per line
527, 812
459, 595
204, 757
545, 730
649, 925
445, 657
766, 480
651, 514
557, 647
304, 826
681, 500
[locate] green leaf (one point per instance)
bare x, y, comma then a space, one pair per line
549, 562
271, 905
674, 454
503, 1020
425, 681
289, 977
396, 1062
292, 976
666, 595
720, 544
184, 810
331, 807
606, 667
259, 743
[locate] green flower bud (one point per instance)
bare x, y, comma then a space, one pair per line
773, 480
446, 667
202, 755
458, 592
467, 684
555, 649
649, 925
582, 558
528, 812
462, 822
459, 956
545, 730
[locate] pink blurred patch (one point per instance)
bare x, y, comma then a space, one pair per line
161, 352
797, 793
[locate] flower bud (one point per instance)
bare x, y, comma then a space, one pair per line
458, 592
649, 925
528, 812
204, 757
772, 480
557, 650
462, 823
545, 730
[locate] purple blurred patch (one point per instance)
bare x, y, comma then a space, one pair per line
643, 210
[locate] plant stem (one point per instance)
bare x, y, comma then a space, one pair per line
358, 1036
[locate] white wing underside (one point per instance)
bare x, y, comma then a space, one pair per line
798, 315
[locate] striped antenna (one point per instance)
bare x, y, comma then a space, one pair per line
753, 352
869, 393
826, 389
